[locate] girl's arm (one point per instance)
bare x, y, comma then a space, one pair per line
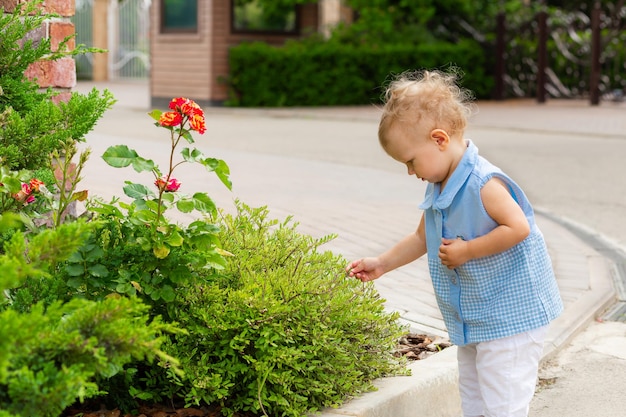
407, 250
512, 228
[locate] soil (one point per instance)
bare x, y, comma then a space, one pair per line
411, 346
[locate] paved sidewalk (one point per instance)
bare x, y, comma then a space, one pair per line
324, 167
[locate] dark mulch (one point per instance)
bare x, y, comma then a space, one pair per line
420, 346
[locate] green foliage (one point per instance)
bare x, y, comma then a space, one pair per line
119, 258
32, 125
385, 22
53, 355
291, 334
315, 73
22, 259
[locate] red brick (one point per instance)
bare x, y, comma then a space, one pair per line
58, 32
62, 7
60, 73
9, 5
36, 72
35, 35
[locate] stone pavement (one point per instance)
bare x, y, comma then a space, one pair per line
324, 167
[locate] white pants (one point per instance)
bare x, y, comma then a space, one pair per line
498, 378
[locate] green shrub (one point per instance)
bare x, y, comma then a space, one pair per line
32, 125
53, 355
314, 73
282, 330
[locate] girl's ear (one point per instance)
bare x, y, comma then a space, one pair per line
441, 137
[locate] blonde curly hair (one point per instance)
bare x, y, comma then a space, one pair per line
433, 95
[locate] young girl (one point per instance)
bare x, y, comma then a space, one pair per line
488, 261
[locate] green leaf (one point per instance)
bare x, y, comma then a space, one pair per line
187, 135
137, 191
221, 169
167, 293
192, 155
174, 239
169, 197
75, 270
10, 221
140, 164
119, 156
13, 184
145, 243
125, 288
155, 114
74, 282
210, 163
223, 173
145, 216
94, 254
76, 257
185, 206
98, 270
203, 203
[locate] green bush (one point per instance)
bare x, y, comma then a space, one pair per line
281, 330
53, 355
312, 73
32, 125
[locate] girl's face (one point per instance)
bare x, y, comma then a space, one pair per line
422, 149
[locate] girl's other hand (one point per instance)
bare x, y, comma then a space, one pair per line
453, 252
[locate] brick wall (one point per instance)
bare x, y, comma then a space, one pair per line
59, 74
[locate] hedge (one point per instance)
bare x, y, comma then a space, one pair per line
330, 74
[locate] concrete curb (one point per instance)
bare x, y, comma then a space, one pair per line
430, 390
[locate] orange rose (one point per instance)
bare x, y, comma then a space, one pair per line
177, 103
197, 123
170, 118
190, 108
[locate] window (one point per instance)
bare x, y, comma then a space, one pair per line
179, 16
263, 16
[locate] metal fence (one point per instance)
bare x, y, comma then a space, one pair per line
568, 55
128, 23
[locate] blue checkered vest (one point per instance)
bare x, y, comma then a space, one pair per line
495, 296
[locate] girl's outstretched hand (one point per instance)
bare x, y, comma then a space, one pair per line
365, 269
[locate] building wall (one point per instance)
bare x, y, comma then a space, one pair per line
192, 66
59, 74
180, 62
